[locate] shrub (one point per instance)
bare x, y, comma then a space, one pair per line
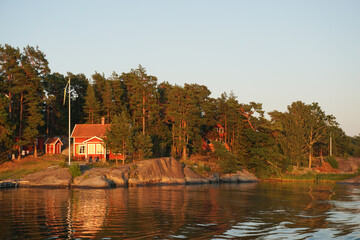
332, 161
226, 160
75, 170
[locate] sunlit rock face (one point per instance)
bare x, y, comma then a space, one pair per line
155, 171
160, 171
94, 178
239, 176
353, 181
50, 177
192, 177
119, 176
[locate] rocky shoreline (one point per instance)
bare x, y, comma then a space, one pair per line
160, 171
351, 181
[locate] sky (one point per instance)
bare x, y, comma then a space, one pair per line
271, 52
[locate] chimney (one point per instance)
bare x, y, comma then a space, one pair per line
102, 121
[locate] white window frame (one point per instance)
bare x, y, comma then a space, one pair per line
91, 148
83, 148
99, 148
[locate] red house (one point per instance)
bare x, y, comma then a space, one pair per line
218, 135
88, 142
53, 145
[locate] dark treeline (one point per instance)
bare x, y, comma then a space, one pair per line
162, 119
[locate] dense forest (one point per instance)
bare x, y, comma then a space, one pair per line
152, 119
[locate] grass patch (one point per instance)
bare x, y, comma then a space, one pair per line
17, 169
334, 177
17, 174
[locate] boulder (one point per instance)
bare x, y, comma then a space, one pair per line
192, 177
120, 176
157, 171
94, 178
239, 176
215, 178
50, 177
352, 181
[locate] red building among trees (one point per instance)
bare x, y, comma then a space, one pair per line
88, 142
53, 145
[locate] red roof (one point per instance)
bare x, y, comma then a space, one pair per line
89, 130
52, 141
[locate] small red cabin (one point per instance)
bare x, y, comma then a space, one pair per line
53, 145
88, 142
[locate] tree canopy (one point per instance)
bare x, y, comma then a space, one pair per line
151, 119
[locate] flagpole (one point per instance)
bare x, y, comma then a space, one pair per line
69, 124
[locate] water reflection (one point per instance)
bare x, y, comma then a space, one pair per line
259, 210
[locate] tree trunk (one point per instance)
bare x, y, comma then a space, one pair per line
20, 148
10, 109
35, 150
310, 157
233, 138
47, 119
123, 152
184, 154
321, 157
143, 110
21, 113
226, 129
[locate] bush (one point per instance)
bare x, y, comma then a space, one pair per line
332, 161
75, 170
226, 160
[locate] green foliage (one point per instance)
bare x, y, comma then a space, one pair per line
150, 119
6, 129
75, 170
143, 145
319, 177
226, 160
119, 137
303, 127
92, 106
332, 161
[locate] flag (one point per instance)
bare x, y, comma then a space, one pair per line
68, 83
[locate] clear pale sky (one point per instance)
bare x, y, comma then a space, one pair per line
272, 52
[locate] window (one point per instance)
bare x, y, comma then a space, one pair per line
81, 149
91, 148
99, 149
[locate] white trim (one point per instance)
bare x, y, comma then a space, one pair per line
101, 148
92, 139
82, 145
57, 139
73, 131
88, 146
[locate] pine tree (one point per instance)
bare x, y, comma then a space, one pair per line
143, 145
91, 107
55, 112
5, 129
119, 137
10, 67
108, 104
78, 90
35, 66
142, 97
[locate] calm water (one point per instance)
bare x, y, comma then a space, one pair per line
234, 211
